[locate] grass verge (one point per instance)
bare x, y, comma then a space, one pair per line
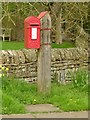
17, 94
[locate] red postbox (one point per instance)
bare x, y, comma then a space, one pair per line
32, 32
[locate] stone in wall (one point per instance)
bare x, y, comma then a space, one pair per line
5, 57
15, 57
21, 57
30, 55
1, 57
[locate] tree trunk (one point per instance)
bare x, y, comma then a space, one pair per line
0, 22
0, 16
59, 29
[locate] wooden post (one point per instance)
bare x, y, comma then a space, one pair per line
44, 55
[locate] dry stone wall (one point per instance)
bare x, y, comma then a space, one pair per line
23, 63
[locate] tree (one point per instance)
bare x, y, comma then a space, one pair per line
65, 17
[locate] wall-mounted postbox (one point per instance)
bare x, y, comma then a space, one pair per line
32, 32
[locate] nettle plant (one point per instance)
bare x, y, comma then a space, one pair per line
80, 78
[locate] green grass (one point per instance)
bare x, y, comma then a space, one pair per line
17, 94
14, 45
11, 105
63, 45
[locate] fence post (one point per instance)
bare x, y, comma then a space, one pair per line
44, 56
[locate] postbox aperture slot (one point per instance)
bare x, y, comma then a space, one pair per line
34, 25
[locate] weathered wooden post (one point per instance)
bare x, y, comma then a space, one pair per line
44, 54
